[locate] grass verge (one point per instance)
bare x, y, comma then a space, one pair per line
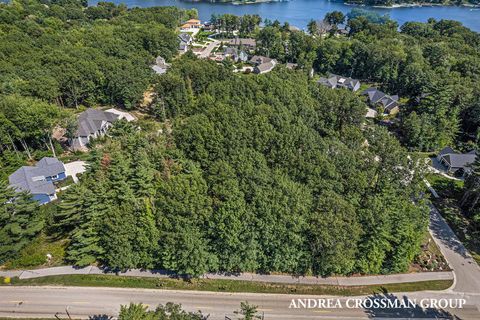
227, 285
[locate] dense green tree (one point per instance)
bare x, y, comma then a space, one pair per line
248, 311
335, 18
20, 221
334, 249
169, 311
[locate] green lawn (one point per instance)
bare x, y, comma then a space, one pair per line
226, 285
445, 187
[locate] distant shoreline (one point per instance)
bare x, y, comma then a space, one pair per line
415, 5
393, 6
237, 2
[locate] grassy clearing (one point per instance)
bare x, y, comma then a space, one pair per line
34, 254
444, 186
227, 285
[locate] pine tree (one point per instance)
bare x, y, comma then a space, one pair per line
70, 209
130, 237
143, 175
118, 173
117, 230
20, 221
84, 248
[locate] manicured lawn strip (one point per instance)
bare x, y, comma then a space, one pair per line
227, 285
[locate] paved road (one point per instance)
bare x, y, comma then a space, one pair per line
206, 52
81, 302
84, 302
466, 270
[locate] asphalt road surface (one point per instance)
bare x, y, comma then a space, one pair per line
83, 302
466, 270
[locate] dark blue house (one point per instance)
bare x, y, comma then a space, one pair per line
38, 180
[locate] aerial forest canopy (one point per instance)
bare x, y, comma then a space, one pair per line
254, 174
225, 171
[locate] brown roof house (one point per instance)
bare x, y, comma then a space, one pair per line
191, 24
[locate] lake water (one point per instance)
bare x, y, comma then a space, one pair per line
299, 12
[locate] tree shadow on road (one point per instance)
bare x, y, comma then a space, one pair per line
412, 311
100, 317
442, 233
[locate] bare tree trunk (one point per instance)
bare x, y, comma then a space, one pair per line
13, 144
51, 146
25, 146
464, 199
475, 201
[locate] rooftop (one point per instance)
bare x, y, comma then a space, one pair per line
91, 120
457, 160
243, 41
32, 179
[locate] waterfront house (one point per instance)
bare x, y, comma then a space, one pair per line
185, 41
191, 24
235, 54
246, 43
257, 60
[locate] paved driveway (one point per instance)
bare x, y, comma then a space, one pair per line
206, 52
74, 168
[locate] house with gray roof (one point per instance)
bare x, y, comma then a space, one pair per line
456, 163
94, 123
236, 54
38, 180
160, 66
334, 81
291, 66
185, 41
185, 37
257, 60
247, 43
265, 67
388, 103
